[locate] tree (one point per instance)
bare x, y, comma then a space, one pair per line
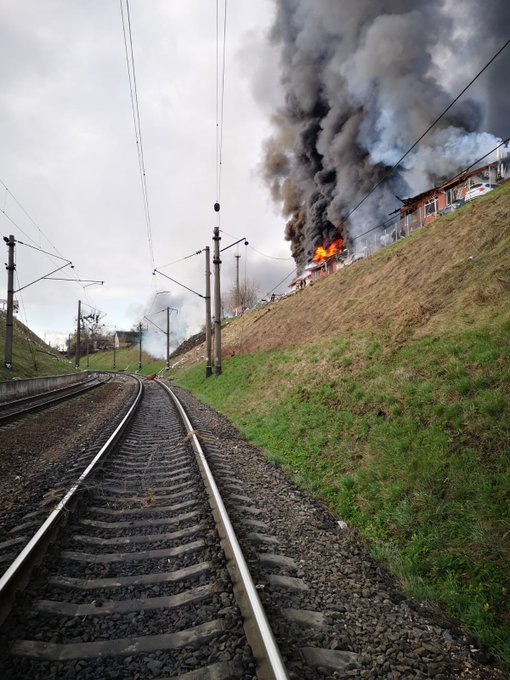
238, 301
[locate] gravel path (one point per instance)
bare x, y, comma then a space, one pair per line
41, 453
367, 615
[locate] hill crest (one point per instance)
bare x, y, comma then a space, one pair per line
446, 272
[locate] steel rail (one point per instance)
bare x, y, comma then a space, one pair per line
14, 577
31, 397
260, 636
46, 399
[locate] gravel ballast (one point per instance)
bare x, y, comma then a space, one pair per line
41, 454
371, 629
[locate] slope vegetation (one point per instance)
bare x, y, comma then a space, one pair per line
384, 389
454, 269
31, 357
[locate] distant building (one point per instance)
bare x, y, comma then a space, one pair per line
315, 271
126, 339
427, 206
414, 213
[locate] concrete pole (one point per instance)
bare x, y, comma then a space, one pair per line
167, 338
238, 293
77, 360
10, 302
140, 346
217, 303
208, 343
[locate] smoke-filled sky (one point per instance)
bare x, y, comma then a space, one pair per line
320, 98
362, 80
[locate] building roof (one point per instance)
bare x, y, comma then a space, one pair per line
458, 179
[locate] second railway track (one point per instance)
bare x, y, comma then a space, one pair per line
137, 584
17, 408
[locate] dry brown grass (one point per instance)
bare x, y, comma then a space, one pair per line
442, 274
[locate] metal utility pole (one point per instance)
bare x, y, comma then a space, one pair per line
114, 365
238, 295
217, 303
140, 345
208, 343
10, 302
78, 325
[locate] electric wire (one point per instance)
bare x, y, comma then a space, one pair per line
41, 232
220, 96
50, 256
40, 250
135, 109
16, 225
381, 225
294, 271
181, 259
390, 170
23, 313
270, 257
479, 160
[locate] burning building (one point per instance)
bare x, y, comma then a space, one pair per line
362, 81
426, 206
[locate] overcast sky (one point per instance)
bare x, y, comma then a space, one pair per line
68, 154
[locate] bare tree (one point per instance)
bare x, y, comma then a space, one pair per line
239, 300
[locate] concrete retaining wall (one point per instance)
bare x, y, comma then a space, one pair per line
16, 389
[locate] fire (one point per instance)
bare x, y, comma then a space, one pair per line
322, 253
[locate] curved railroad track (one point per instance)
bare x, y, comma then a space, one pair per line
148, 580
138, 579
17, 408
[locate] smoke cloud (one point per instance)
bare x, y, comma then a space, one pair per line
362, 80
154, 319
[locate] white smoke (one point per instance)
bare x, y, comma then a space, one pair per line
184, 314
363, 79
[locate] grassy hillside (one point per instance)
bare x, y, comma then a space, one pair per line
125, 360
31, 357
384, 389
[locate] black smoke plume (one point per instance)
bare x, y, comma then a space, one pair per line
363, 79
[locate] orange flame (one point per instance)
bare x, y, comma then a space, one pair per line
322, 253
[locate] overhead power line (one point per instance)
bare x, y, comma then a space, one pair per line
390, 220
270, 257
220, 94
479, 160
390, 170
294, 270
27, 214
130, 65
51, 256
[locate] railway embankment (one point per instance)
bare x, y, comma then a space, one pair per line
384, 391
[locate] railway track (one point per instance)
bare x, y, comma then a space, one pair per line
142, 580
137, 584
17, 408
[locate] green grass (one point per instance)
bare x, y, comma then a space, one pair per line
31, 357
408, 443
125, 360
